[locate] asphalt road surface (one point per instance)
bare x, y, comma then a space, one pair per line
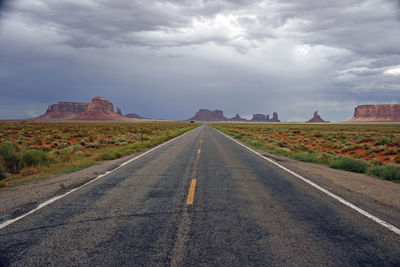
201, 199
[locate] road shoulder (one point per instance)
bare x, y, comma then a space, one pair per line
380, 191
375, 196
18, 200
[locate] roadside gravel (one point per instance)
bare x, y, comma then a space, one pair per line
381, 191
378, 197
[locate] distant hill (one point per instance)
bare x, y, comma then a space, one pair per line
134, 116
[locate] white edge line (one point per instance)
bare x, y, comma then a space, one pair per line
47, 202
343, 201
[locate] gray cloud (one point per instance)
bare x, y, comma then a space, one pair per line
242, 56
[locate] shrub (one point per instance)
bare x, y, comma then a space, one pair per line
348, 148
93, 145
55, 144
102, 141
34, 158
367, 147
348, 164
375, 162
11, 156
28, 171
120, 139
387, 172
301, 147
283, 144
109, 155
75, 147
390, 152
63, 145
2, 171
382, 141
377, 149
122, 143
238, 136
305, 156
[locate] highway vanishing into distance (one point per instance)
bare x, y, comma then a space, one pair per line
201, 199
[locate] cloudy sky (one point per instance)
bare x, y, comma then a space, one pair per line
166, 59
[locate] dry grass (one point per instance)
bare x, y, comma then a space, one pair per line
351, 147
32, 151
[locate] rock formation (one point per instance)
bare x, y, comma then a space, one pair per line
316, 118
382, 112
275, 117
218, 115
237, 118
133, 116
209, 115
258, 117
99, 109
265, 118
64, 111
119, 111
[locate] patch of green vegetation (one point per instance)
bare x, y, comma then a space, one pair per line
305, 156
237, 136
326, 144
348, 164
34, 158
109, 155
32, 151
80, 166
386, 172
10, 156
2, 172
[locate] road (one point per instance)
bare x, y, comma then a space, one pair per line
201, 199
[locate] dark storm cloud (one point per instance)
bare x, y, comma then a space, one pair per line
243, 56
105, 23
3, 6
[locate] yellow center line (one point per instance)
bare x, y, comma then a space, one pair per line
190, 198
198, 151
201, 141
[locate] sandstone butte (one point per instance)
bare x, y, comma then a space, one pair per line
209, 115
376, 113
316, 118
99, 109
265, 118
218, 115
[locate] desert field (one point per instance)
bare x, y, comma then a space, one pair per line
34, 151
365, 148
